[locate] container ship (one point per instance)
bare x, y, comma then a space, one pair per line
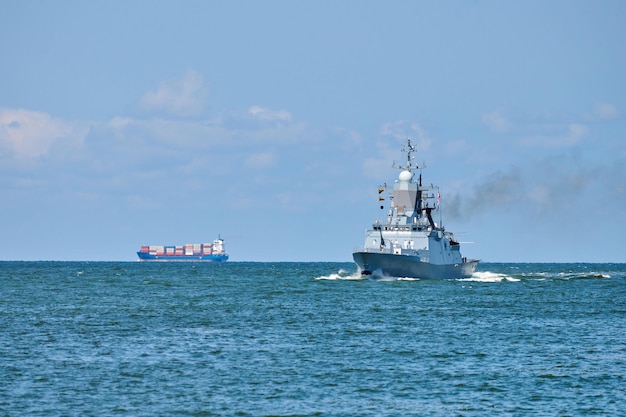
191, 252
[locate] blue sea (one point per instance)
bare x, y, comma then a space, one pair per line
310, 339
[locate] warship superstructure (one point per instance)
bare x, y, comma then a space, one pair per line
409, 243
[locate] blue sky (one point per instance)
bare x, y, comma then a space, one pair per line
272, 123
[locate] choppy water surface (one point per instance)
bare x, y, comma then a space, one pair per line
310, 339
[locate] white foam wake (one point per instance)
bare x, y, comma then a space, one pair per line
342, 275
487, 276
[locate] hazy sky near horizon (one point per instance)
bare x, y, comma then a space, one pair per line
272, 123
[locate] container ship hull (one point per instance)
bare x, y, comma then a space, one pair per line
146, 257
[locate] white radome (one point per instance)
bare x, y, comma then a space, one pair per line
405, 176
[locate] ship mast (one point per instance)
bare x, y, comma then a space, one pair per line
419, 208
409, 148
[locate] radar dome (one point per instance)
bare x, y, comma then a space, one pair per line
405, 176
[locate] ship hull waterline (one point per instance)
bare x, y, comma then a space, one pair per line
144, 257
406, 266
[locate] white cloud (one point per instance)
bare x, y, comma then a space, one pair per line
605, 111
569, 136
30, 134
496, 122
120, 122
576, 132
264, 114
184, 96
401, 130
393, 136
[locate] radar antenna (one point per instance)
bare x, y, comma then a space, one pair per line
408, 148
408, 151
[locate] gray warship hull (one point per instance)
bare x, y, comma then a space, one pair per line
407, 266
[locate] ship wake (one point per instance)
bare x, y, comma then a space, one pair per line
343, 275
486, 276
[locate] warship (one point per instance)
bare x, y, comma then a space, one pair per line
409, 243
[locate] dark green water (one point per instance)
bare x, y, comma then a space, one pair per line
310, 339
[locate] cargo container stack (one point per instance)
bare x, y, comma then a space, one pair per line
190, 252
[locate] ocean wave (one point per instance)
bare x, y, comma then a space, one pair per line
565, 276
582, 275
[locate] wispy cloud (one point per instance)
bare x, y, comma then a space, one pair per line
183, 96
604, 111
548, 130
391, 136
496, 122
400, 130
27, 135
261, 113
565, 136
136, 159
